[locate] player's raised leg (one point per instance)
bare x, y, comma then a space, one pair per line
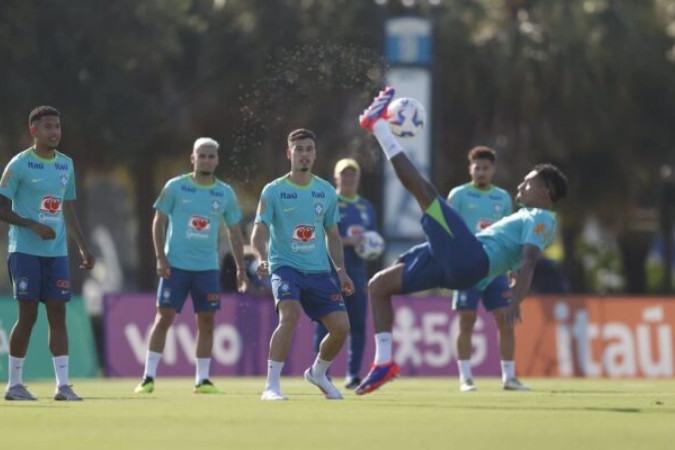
373, 120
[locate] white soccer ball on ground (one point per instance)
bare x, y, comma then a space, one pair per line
406, 117
371, 246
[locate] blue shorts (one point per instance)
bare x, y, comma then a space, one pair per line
39, 277
202, 285
319, 293
497, 294
451, 257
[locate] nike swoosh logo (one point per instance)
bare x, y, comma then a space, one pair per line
186, 200
36, 180
289, 209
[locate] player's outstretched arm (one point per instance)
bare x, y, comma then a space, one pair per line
9, 216
336, 253
259, 240
75, 232
237, 245
531, 254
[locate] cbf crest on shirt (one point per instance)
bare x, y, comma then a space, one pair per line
38, 187
196, 213
480, 208
297, 217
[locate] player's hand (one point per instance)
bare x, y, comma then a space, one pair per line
88, 260
512, 315
163, 267
242, 280
45, 232
346, 283
263, 269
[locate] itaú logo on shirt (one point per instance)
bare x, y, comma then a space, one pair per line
198, 227
50, 207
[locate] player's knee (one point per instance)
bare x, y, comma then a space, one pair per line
165, 319
378, 287
467, 321
289, 318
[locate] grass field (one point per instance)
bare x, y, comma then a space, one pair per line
412, 414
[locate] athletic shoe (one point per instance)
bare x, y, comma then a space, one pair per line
467, 385
378, 375
18, 392
66, 393
205, 387
270, 395
378, 109
352, 383
323, 383
146, 386
514, 384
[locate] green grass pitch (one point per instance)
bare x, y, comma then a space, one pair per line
409, 414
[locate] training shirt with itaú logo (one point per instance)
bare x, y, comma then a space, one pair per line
38, 187
297, 217
195, 214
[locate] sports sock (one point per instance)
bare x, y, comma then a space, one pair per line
151, 362
202, 373
508, 369
61, 370
15, 371
390, 146
382, 348
320, 367
273, 375
464, 366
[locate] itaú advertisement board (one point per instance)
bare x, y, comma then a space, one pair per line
590, 336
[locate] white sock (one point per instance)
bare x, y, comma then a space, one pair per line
15, 371
61, 370
508, 369
382, 347
390, 146
203, 365
273, 375
320, 367
464, 366
151, 362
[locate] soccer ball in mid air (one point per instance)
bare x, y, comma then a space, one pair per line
371, 246
406, 117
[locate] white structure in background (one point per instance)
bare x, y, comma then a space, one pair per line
106, 276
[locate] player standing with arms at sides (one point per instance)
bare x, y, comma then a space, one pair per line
480, 203
188, 215
36, 198
356, 216
294, 235
453, 257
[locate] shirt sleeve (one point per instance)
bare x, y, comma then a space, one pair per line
232, 213
332, 215
265, 212
10, 180
538, 230
70, 193
165, 201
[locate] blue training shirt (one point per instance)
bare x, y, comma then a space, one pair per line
196, 213
480, 208
356, 216
297, 217
504, 240
37, 188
